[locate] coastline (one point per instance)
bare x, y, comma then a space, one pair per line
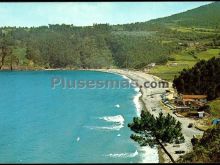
148, 103
140, 100
139, 104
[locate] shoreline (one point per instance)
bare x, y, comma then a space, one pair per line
150, 98
142, 105
139, 105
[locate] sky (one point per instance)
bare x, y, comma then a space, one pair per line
29, 14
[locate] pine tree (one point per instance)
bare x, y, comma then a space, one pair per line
156, 131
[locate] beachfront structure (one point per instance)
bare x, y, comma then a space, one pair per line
151, 65
192, 98
192, 101
201, 114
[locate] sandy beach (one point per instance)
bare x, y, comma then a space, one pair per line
151, 97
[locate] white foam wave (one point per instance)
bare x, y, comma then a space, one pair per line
123, 155
117, 106
149, 155
110, 128
125, 77
117, 119
137, 103
137, 89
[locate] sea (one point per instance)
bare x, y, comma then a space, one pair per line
41, 121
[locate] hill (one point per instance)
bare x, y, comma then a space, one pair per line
102, 46
203, 16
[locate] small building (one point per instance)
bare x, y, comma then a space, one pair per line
201, 114
196, 104
151, 65
182, 108
192, 101
191, 98
146, 69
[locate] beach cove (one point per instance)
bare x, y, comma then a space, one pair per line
56, 125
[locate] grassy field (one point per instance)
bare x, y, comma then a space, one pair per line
206, 122
215, 108
182, 60
208, 54
172, 68
193, 29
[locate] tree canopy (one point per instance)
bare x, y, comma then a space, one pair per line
155, 131
203, 78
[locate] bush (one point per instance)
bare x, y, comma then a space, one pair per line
205, 108
171, 59
194, 141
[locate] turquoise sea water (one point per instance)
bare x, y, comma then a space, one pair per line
39, 124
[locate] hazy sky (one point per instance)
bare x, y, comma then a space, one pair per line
87, 13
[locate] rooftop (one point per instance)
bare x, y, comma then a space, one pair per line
194, 96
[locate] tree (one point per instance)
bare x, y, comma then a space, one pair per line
203, 78
13, 59
5, 51
6, 46
32, 54
156, 131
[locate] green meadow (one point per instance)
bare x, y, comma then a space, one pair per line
182, 60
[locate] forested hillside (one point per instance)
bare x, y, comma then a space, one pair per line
105, 46
204, 16
59, 46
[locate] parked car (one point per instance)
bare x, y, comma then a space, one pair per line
190, 125
153, 109
179, 152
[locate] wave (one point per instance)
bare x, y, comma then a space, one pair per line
149, 155
125, 77
137, 89
117, 106
123, 155
117, 119
137, 103
110, 128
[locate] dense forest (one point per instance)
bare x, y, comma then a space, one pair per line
102, 45
84, 47
203, 78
